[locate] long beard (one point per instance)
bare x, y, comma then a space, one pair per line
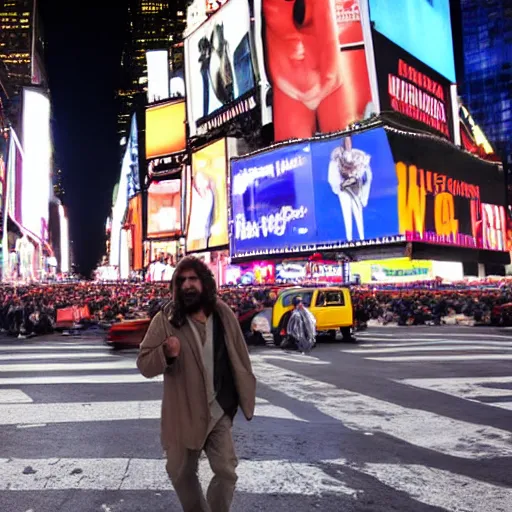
191, 301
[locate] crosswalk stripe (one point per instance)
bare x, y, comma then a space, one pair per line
426, 348
13, 396
67, 367
364, 413
35, 357
445, 339
467, 357
468, 388
435, 343
461, 334
441, 488
44, 348
119, 474
132, 378
45, 413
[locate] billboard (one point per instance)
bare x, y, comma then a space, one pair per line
133, 224
409, 87
208, 216
132, 150
4, 144
420, 27
315, 62
164, 208
447, 196
165, 129
219, 68
309, 195
36, 179
158, 75
373, 187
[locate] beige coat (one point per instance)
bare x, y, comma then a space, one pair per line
185, 409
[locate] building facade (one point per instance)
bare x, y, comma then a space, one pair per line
152, 25
487, 44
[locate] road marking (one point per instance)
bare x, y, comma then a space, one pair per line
426, 348
255, 476
17, 348
440, 488
80, 412
467, 388
468, 357
14, 396
132, 378
367, 414
67, 367
459, 334
411, 343
51, 355
296, 359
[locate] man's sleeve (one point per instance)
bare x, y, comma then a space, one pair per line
152, 360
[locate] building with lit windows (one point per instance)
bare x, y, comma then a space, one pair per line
21, 43
152, 25
487, 40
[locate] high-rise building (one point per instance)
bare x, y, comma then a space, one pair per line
486, 90
152, 25
21, 43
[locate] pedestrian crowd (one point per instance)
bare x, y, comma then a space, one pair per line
32, 309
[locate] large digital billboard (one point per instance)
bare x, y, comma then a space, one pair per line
158, 75
4, 144
447, 196
421, 27
219, 68
409, 87
315, 61
164, 208
208, 217
165, 129
37, 147
314, 194
376, 186
132, 159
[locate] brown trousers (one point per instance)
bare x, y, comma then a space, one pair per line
182, 465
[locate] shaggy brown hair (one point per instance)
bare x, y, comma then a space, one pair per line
178, 316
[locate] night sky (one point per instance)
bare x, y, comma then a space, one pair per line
83, 56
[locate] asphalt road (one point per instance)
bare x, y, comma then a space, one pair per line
410, 419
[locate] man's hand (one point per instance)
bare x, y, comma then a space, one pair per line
172, 347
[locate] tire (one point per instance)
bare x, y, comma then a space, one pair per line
346, 332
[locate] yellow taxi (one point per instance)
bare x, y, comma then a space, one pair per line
332, 308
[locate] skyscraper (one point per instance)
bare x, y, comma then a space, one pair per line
487, 43
152, 25
21, 42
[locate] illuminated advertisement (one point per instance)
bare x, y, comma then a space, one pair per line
165, 129
392, 270
309, 195
133, 224
4, 144
132, 150
420, 27
158, 75
164, 208
377, 186
472, 136
207, 222
64, 240
219, 69
446, 196
412, 89
36, 181
316, 64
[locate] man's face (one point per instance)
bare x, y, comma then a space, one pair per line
191, 289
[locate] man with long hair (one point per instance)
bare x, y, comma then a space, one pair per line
195, 341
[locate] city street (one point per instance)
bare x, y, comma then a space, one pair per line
410, 419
